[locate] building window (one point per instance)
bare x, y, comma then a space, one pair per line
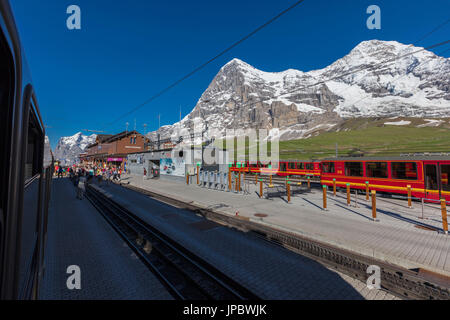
328, 167
404, 170
376, 169
354, 169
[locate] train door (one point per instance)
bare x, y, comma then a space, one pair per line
444, 170
431, 180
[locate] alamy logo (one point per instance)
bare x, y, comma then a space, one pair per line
374, 21
374, 281
74, 20
241, 144
74, 280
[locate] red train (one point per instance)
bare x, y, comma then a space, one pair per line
427, 176
282, 168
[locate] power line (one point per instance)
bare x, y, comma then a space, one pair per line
433, 31
355, 70
188, 75
415, 44
396, 79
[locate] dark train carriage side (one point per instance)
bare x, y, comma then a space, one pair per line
298, 168
24, 181
283, 168
252, 167
426, 176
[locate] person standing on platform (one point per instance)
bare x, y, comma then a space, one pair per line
145, 174
91, 174
81, 188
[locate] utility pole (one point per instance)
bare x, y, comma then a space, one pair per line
126, 130
336, 149
134, 124
145, 129
159, 121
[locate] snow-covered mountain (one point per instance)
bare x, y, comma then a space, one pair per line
68, 148
388, 84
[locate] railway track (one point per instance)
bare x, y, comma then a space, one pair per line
402, 282
185, 275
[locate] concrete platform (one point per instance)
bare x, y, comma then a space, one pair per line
270, 271
79, 235
400, 236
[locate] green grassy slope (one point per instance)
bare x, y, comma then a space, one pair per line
370, 138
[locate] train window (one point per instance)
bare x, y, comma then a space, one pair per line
431, 180
404, 170
328, 167
354, 169
283, 166
309, 166
376, 169
445, 173
34, 149
291, 165
300, 165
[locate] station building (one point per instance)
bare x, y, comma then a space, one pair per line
112, 150
172, 162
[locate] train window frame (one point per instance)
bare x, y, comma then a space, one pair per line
347, 168
34, 152
386, 176
8, 81
331, 165
300, 165
291, 165
395, 176
309, 166
442, 179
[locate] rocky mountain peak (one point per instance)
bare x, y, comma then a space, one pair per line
68, 148
299, 103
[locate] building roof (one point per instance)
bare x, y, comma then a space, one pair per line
121, 135
107, 138
102, 137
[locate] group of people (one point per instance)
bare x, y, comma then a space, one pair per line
62, 172
83, 175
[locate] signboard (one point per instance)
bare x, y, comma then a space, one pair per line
115, 159
173, 167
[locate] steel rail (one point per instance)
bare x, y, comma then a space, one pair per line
402, 282
187, 276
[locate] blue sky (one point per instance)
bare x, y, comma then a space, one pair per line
126, 51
